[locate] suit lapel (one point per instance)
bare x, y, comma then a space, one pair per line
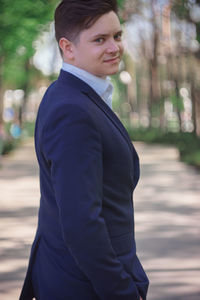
110, 114
92, 95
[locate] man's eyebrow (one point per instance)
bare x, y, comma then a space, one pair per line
105, 35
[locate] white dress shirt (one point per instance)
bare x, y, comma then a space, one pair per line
103, 87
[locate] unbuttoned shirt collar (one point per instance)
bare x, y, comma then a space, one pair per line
103, 87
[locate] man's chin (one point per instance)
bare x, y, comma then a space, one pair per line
106, 73
113, 72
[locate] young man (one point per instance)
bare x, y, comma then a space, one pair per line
84, 247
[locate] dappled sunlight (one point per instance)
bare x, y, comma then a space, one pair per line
167, 214
178, 284
19, 185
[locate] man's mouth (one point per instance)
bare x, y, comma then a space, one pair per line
112, 59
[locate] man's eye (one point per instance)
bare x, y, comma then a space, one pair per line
118, 37
99, 40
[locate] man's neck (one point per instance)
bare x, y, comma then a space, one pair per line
102, 86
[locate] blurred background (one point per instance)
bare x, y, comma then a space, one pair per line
156, 96
157, 92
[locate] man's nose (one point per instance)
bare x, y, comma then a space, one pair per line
112, 47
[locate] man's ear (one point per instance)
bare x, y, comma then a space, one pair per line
67, 48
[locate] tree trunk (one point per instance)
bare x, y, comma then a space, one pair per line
153, 66
1, 94
178, 111
197, 111
25, 87
194, 100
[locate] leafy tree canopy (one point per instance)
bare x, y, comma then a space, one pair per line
20, 23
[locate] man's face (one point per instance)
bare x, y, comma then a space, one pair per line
99, 49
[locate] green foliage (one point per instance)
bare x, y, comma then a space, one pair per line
188, 144
119, 93
145, 134
9, 145
120, 3
181, 8
20, 24
177, 102
28, 129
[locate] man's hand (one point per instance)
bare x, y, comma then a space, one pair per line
141, 298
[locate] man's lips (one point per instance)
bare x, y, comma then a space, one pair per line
113, 59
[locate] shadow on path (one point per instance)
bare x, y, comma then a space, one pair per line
167, 214
19, 200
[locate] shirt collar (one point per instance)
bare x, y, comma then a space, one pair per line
103, 87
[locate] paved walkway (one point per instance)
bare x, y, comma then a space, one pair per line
167, 210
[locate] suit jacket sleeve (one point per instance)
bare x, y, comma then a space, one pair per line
72, 145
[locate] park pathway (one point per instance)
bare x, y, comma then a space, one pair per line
167, 217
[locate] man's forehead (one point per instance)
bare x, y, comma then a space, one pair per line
103, 31
107, 33
107, 24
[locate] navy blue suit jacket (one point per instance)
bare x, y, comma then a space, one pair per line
84, 246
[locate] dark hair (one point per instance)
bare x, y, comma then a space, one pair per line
73, 16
